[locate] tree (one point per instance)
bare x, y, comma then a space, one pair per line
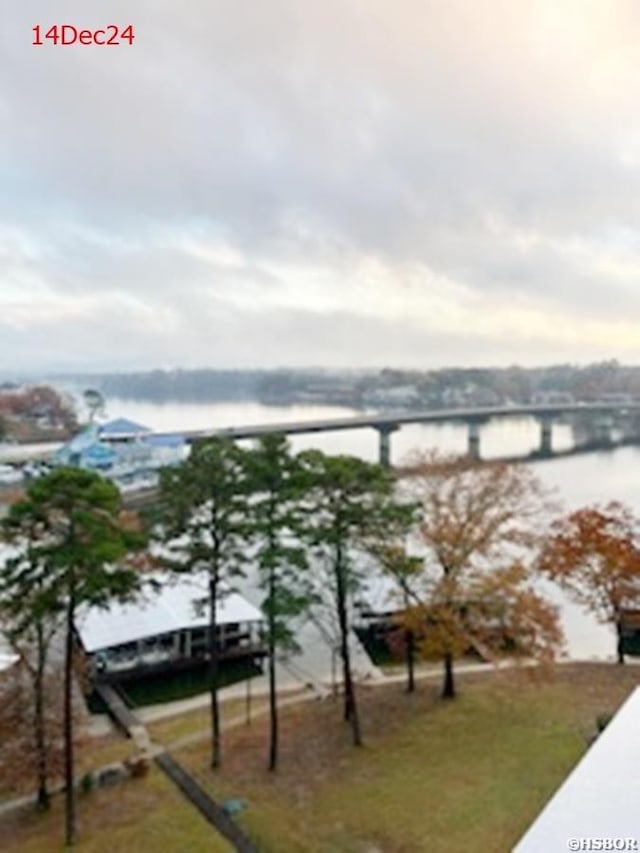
274, 523
204, 505
594, 553
23, 757
478, 532
31, 616
95, 403
404, 569
350, 508
83, 542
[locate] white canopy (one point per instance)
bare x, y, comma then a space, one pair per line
173, 608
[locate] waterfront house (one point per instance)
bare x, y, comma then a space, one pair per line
124, 451
167, 628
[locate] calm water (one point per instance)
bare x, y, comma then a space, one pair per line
579, 480
604, 476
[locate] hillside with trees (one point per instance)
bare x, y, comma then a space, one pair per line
385, 388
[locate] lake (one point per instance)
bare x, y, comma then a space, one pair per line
577, 480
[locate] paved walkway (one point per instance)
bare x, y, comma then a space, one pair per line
259, 687
239, 720
124, 716
182, 779
207, 807
317, 690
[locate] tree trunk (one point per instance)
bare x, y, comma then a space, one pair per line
410, 652
273, 703
70, 818
350, 704
214, 667
619, 643
40, 737
448, 686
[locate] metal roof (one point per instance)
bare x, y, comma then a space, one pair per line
165, 440
122, 427
172, 608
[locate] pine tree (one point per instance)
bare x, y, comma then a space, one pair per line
203, 512
277, 487
83, 541
350, 507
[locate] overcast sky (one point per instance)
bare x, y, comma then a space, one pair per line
340, 183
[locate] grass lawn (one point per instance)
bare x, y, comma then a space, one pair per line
199, 721
468, 775
90, 755
136, 817
104, 750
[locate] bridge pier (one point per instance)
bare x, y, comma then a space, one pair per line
579, 431
384, 447
593, 430
546, 437
602, 431
629, 427
473, 440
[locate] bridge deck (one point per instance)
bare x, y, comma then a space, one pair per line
394, 420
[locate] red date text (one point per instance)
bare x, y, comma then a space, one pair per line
66, 34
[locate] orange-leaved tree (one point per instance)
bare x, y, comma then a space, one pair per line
478, 536
594, 553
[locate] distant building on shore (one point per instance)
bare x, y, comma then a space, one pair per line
124, 451
552, 398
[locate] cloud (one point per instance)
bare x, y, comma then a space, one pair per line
343, 183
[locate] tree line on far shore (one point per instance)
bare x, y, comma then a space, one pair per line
433, 388
463, 546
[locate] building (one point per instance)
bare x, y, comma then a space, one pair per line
399, 396
552, 398
630, 631
166, 628
123, 451
616, 398
122, 430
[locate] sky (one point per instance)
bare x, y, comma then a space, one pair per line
351, 183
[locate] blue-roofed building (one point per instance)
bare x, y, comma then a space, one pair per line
122, 429
71, 452
124, 451
98, 456
166, 440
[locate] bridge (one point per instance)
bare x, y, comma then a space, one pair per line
598, 419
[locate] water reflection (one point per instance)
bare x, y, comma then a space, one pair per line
579, 480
